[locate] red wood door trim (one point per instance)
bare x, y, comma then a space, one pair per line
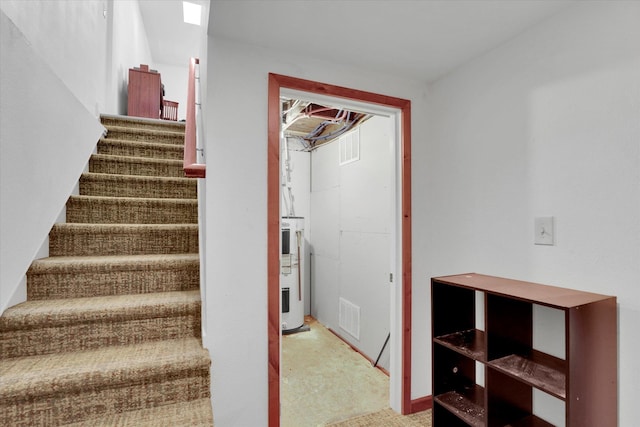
276, 82
273, 249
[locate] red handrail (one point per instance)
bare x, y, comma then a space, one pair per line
192, 169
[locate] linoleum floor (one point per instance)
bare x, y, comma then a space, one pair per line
323, 380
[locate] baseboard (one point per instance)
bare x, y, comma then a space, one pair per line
421, 404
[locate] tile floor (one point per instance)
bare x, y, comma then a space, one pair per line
323, 380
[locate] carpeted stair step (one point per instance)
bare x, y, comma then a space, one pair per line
131, 210
123, 165
141, 123
122, 239
118, 147
195, 413
145, 135
101, 184
76, 324
77, 277
73, 387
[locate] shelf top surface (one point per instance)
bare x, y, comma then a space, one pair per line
532, 292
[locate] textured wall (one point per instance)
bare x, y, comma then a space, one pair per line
351, 235
46, 137
71, 38
236, 145
545, 125
63, 63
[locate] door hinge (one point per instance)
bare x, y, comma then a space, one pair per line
391, 277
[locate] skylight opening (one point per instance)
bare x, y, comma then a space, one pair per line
191, 12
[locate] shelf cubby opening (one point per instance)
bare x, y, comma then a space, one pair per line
514, 336
510, 402
455, 387
455, 372
510, 347
453, 307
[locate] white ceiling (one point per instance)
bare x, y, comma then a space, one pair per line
171, 40
420, 39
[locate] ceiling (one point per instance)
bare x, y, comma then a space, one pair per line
171, 40
418, 39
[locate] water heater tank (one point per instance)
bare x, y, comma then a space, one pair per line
292, 270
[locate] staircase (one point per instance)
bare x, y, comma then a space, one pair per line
110, 332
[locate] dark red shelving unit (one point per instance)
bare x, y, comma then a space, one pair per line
585, 380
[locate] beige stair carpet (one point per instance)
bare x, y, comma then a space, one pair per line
100, 184
69, 277
140, 149
387, 418
110, 332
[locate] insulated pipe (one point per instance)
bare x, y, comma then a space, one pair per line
345, 128
313, 135
342, 114
286, 176
317, 110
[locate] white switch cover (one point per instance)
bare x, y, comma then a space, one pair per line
543, 226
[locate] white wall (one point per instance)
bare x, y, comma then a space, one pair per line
175, 80
236, 243
90, 45
46, 137
63, 63
351, 235
71, 38
545, 125
128, 48
325, 234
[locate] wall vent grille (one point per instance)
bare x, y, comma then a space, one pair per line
349, 318
349, 145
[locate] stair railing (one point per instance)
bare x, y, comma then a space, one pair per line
193, 125
194, 151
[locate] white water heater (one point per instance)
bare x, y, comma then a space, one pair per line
292, 270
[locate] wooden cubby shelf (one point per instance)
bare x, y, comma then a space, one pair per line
486, 368
468, 405
469, 342
538, 375
530, 421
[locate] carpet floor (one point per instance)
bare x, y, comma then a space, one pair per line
387, 418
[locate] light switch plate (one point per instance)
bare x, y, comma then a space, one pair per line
544, 230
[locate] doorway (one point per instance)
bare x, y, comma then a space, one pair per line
401, 302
